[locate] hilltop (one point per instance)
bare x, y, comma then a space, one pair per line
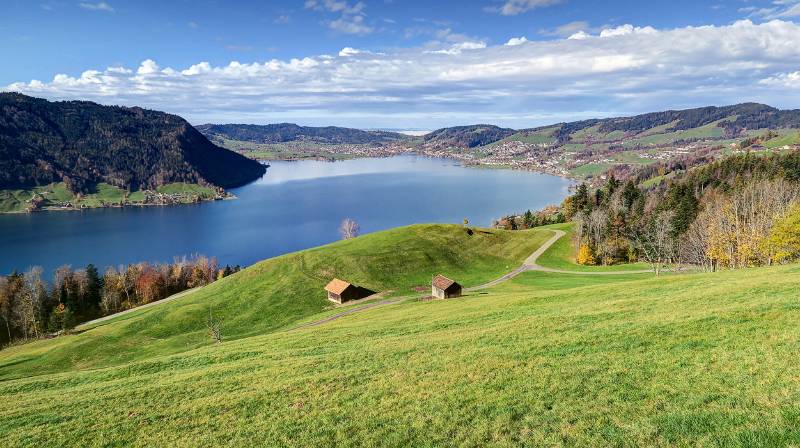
83, 145
544, 359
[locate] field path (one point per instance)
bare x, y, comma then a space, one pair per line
528, 265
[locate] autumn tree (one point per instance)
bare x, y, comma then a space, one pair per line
784, 239
655, 241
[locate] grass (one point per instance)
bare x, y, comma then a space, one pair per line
278, 292
561, 255
184, 188
698, 360
791, 137
289, 150
590, 169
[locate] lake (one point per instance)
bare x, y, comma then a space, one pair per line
296, 205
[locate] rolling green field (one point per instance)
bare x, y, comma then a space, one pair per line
542, 360
277, 292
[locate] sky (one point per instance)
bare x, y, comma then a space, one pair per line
403, 64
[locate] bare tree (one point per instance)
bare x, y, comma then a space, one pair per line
6, 305
28, 309
693, 246
349, 229
655, 242
214, 326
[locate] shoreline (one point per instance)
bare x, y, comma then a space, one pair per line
59, 208
465, 161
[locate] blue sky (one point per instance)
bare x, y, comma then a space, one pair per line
403, 63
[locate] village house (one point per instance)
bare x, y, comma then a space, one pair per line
444, 288
340, 291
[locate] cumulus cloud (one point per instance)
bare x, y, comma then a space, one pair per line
514, 7
569, 29
96, 6
514, 41
622, 69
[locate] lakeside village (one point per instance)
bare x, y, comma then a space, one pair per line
551, 158
40, 202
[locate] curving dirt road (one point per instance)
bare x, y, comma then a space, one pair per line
530, 265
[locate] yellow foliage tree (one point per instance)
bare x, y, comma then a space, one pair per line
784, 239
585, 255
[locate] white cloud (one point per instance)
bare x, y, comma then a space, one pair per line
781, 80
780, 9
96, 6
580, 35
349, 51
350, 25
147, 67
463, 79
351, 16
514, 7
514, 41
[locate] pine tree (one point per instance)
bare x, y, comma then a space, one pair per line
94, 286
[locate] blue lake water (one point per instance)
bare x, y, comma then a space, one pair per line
296, 205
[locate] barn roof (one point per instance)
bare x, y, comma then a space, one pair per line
442, 282
337, 286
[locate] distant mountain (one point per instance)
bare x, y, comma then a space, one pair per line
736, 118
288, 132
83, 143
467, 136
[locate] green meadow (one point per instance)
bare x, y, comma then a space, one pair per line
541, 360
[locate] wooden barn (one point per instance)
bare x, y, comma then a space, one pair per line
340, 291
444, 288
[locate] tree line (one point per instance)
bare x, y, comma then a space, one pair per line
736, 212
31, 307
530, 219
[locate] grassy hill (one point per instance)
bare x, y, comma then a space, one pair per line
281, 291
696, 360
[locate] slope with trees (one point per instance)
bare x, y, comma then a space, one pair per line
83, 144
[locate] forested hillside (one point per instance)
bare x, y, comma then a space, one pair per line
288, 132
467, 136
82, 144
736, 212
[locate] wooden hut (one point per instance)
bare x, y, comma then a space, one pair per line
444, 288
340, 291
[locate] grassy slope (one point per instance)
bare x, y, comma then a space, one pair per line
561, 255
277, 292
704, 359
